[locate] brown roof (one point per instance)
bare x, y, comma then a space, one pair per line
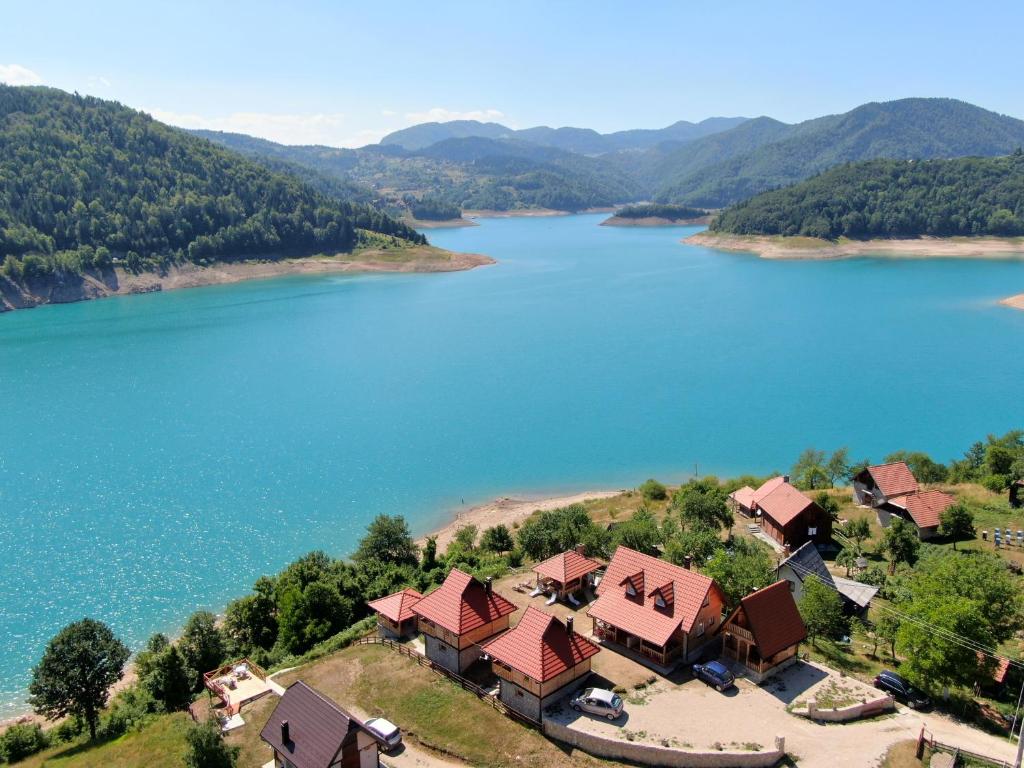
784, 504
462, 604
925, 507
397, 607
566, 567
540, 646
773, 618
317, 727
767, 487
893, 479
640, 614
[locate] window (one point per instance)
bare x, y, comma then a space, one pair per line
700, 628
707, 600
812, 530
630, 591
658, 601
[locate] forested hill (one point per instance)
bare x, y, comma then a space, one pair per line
776, 155
85, 183
892, 198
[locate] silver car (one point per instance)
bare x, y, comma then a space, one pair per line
385, 731
598, 701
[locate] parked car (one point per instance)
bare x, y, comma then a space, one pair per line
386, 732
714, 673
901, 689
598, 701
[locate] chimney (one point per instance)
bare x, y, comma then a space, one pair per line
687, 562
580, 549
488, 585
568, 625
785, 478
285, 736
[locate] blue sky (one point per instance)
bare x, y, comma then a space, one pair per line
347, 73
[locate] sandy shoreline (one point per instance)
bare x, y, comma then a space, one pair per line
117, 282
507, 511
809, 248
654, 221
440, 223
1015, 302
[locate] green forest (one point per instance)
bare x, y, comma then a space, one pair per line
86, 184
660, 211
892, 198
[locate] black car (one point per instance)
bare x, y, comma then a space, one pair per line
714, 674
901, 689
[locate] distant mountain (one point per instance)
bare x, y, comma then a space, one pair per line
86, 183
891, 198
579, 140
778, 154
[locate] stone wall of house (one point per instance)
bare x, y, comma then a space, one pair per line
441, 653
520, 699
651, 754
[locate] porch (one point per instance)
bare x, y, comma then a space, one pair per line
661, 658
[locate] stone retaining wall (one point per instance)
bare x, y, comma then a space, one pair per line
854, 712
652, 754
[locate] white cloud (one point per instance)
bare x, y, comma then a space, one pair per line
314, 128
442, 115
15, 74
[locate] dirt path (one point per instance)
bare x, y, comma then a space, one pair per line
409, 755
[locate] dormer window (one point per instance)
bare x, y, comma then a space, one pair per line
629, 589
659, 601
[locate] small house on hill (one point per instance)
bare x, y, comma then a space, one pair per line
877, 484
308, 730
395, 618
792, 519
764, 632
458, 617
807, 561
922, 509
742, 500
662, 612
538, 660
565, 574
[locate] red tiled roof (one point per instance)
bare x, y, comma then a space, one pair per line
784, 504
767, 487
925, 506
640, 615
1002, 666
744, 496
397, 607
462, 604
773, 618
566, 567
317, 727
540, 646
893, 479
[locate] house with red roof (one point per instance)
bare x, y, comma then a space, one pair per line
790, 517
764, 632
742, 500
395, 618
662, 612
308, 730
565, 573
875, 485
538, 661
460, 616
922, 509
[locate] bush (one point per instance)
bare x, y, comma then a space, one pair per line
21, 740
652, 490
69, 730
129, 711
996, 483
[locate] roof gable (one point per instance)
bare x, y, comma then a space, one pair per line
807, 561
540, 646
566, 566
397, 607
767, 487
894, 478
744, 496
772, 618
462, 603
925, 507
784, 504
641, 615
317, 727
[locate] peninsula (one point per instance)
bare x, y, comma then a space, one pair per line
657, 215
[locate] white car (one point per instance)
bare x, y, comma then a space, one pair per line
385, 731
598, 701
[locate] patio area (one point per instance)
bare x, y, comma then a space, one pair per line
238, 683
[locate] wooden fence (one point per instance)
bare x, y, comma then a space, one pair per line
957, 752
440, 671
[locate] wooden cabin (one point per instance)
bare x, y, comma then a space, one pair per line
663, 613
565, 574
538, 661
807, 561
922, 509
764, 632
458, 617
792, 519
308, 730
395, 617
875, 485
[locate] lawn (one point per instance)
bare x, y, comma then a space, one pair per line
160, 744
903, 754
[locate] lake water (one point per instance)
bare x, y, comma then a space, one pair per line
159, 452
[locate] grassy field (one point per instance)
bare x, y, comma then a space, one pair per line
903, 754
160, 744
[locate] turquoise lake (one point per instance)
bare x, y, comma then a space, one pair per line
159, 452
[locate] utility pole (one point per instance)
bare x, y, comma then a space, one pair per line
1020, 751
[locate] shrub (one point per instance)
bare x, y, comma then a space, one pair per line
652, 490
21, 740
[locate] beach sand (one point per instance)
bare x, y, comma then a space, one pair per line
1016, 302
811, 248
509, 511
